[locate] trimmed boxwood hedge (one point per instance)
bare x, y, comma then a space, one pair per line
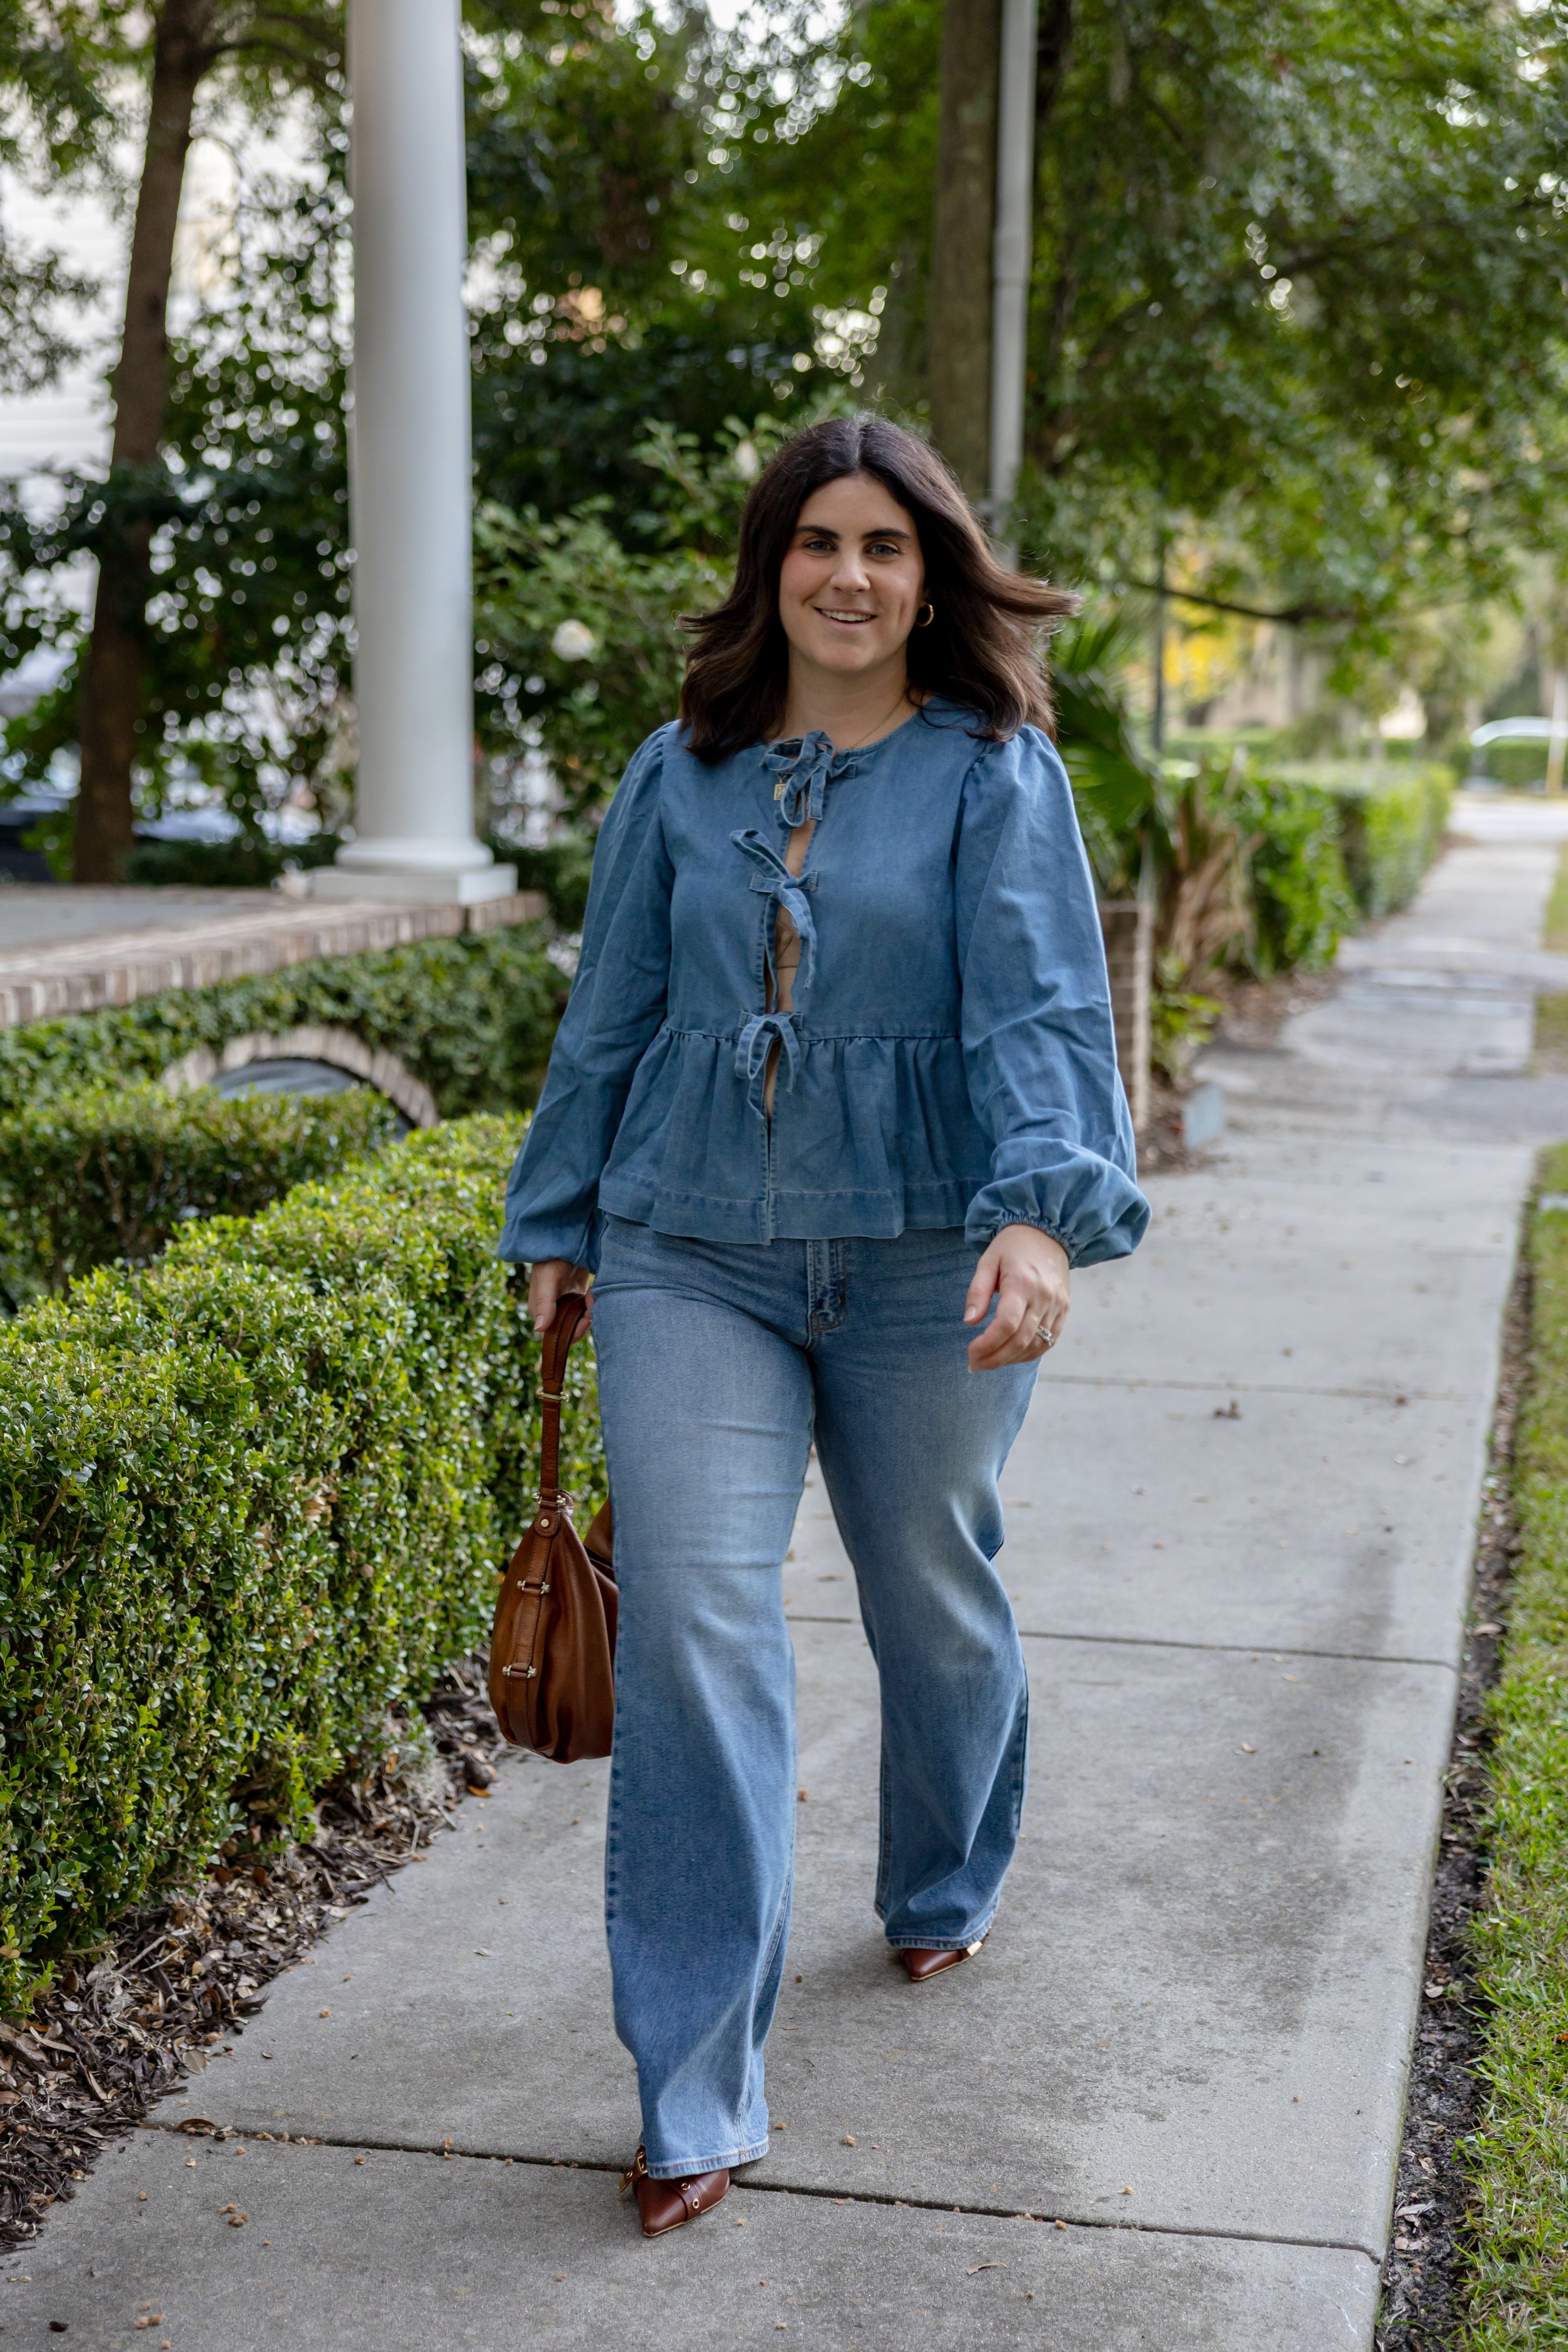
1391, 820
112, 1171
473, 1016
1302, 901
251, 1496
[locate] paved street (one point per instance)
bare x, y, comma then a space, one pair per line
1162, 2108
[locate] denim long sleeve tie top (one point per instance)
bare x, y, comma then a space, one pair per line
947, 1057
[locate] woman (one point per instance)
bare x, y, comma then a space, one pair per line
836, 1092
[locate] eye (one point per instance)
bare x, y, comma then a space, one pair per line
883, 547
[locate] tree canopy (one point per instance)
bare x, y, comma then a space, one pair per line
1298, 292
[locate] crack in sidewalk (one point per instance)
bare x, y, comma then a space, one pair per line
793, 2188
1389, 1395
1169, 1642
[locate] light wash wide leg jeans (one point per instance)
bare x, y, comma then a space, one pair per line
720, 1365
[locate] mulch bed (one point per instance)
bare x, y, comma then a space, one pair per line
1423, 2277
1252, 1013
123, 2025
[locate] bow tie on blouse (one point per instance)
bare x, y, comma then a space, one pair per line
754, 1045
754, 1050
805, 768
775, 880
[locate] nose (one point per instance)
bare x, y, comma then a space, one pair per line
849, 571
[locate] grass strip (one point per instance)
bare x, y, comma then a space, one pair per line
1518, 2157
1555, 932
1550, 1058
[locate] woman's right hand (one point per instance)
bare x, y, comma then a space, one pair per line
546, 1282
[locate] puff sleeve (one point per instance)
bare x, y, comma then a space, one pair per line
614, 1010
1038, 1044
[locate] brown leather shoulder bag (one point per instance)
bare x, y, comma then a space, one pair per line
553, 1651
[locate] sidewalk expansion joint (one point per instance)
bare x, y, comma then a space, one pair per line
1256, 1388
1168, 1642
802, 2188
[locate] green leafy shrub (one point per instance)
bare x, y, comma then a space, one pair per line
249, 862
1391, 820
579, 629
1303, 904
1247, 875
598, 624
1516, 767
112, 1171
473, 1016
561, 867
1180, 1021
250, 1497
1268, 869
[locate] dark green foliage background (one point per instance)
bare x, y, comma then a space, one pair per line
250, 1498
473, 1016
113, 1171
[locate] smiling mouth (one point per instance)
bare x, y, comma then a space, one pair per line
828, 613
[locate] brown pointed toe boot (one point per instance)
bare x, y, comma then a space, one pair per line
921, 1966
666, 2205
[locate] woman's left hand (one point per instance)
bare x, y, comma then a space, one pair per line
1028, 1274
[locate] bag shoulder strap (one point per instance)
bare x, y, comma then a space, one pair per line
570, 1309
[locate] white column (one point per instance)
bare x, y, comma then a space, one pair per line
1013, 254
409, 467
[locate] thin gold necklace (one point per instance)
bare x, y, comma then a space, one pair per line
880, 727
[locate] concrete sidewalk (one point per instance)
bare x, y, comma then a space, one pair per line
1163, 2108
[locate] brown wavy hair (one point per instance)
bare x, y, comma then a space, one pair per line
982, 650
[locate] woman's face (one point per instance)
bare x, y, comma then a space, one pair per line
853, 578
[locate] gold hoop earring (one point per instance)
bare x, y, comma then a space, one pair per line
929, 609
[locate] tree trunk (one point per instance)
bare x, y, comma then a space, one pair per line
959, 309
111, 687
